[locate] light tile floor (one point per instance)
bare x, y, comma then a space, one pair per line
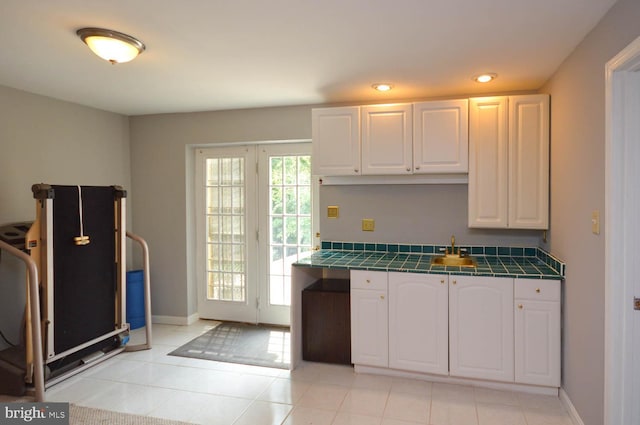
205, 392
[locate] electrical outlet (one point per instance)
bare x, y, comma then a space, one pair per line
368, 224
332, 211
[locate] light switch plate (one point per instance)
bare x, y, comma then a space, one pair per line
332, 211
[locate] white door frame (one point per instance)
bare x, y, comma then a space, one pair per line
622, 207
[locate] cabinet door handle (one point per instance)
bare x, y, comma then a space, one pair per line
418, 167
382, 297
408, 169
455, 281
537, 290
520, 306
442, 281
355, 170
368, 281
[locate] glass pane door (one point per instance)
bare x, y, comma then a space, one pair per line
227, 221
288, 221
252, 223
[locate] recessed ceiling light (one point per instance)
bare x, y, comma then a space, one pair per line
382, 86
485, 78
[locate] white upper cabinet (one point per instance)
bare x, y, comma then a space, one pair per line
386, 139
488, 155
441, 136
529, 162
394, 139
336, 141
509, 162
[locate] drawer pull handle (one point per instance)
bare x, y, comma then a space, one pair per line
382, 297
455, 281
368, 281
537, 290
442, 281
520, 306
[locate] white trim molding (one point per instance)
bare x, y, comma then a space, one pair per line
621, 172
447, 379
573, 413
176, 320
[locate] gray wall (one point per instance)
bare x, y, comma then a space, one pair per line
50, 141
420, 213
577, 182
162, 155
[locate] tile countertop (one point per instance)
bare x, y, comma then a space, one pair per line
530, 263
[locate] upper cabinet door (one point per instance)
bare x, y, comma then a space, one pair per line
336, 141
387, 139
529, 161
441, 137
488, 156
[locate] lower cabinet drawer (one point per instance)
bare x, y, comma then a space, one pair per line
537, 289
365, 279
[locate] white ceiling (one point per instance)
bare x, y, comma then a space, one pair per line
207, 55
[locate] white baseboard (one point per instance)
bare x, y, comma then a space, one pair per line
176, 320
573, 413
504, 386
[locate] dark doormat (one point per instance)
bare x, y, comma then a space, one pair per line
231, 342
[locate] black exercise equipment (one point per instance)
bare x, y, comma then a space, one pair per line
76, 297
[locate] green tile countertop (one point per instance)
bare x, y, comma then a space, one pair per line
537, 264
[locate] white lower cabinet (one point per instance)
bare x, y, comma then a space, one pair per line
418, 322
537, 332
481, 328
369, 318
462, 326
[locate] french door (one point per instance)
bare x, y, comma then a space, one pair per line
255, 216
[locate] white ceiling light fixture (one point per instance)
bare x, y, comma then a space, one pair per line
382, 86
112, 46
485, 78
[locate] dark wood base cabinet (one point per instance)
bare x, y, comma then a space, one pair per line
326, 322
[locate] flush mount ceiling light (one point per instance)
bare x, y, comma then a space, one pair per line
485, 78
112, 46
382, 86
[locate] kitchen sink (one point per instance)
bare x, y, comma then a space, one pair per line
454, 260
